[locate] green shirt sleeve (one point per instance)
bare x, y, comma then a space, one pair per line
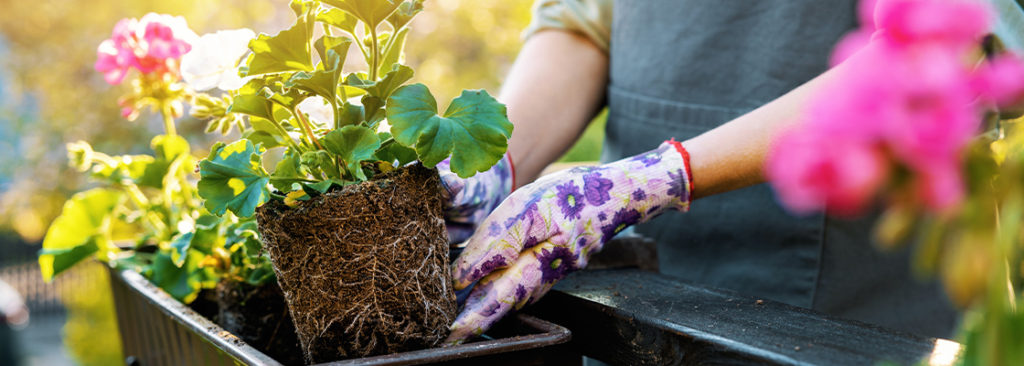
590, 18
1009, 25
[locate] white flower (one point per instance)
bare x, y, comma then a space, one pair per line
213, 60
319, 111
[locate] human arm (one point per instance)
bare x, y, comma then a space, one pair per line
554, 89
514, 268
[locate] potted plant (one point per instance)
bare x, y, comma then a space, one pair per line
145, 214
351, 212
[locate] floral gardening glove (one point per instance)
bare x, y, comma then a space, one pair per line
549, 228
469, 200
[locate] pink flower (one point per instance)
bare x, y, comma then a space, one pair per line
1001, 81
954, 23
855, 41
931, 113
811, 171
940, 186
151, 44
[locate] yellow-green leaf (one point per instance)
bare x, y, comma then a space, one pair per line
79, 231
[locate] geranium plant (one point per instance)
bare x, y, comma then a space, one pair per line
368, 122
921, 119
145, 213
350, 212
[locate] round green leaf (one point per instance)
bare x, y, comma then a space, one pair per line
474, 130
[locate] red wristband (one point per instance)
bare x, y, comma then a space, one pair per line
686, 162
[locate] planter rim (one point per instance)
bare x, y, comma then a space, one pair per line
552, 334
206, 328
547, 334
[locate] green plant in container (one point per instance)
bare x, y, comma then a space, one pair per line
351, 210
144, 213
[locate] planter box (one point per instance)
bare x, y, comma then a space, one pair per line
156, 329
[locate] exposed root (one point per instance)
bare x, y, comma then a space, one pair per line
364, 269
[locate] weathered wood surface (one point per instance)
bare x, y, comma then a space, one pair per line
633, 317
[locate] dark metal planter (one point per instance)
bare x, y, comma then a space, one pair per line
156, 329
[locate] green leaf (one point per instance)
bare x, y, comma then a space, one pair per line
284, 97
394, 151
182, 283
351, 114
474, 130
320, 163
371, 12
393, 54
353, 144
203, 238
339, 45
338, 18
260, 275
382, 89
62, 259
232, 178
288, 171
266, 134
373, 109
321, 82
179, 248
167, 149
244, 232
289, 50
82, 223
320, 187
131, 168
253, 105
405, 12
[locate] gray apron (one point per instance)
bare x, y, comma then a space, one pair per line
682, 67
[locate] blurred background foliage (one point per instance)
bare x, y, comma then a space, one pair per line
50, 95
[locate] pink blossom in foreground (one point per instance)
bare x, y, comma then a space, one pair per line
933, 114
812, 171
151, 44
1001, 81
909, 94
955, 24
958, 24
858, 39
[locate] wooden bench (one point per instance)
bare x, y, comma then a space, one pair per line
637, 317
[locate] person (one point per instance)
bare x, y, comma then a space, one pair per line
721, 78
13, 315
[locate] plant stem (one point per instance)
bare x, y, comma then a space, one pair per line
306, 128
391, 41
165, 110
375, 49
143, 203
337, 113
291, 143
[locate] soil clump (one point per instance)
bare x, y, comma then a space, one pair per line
364, 268
259, 316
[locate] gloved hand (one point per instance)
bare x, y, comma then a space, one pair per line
549, 228
469, 200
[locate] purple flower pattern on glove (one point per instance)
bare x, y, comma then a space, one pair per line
570, 200
551, 227
596, 188
468, 201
